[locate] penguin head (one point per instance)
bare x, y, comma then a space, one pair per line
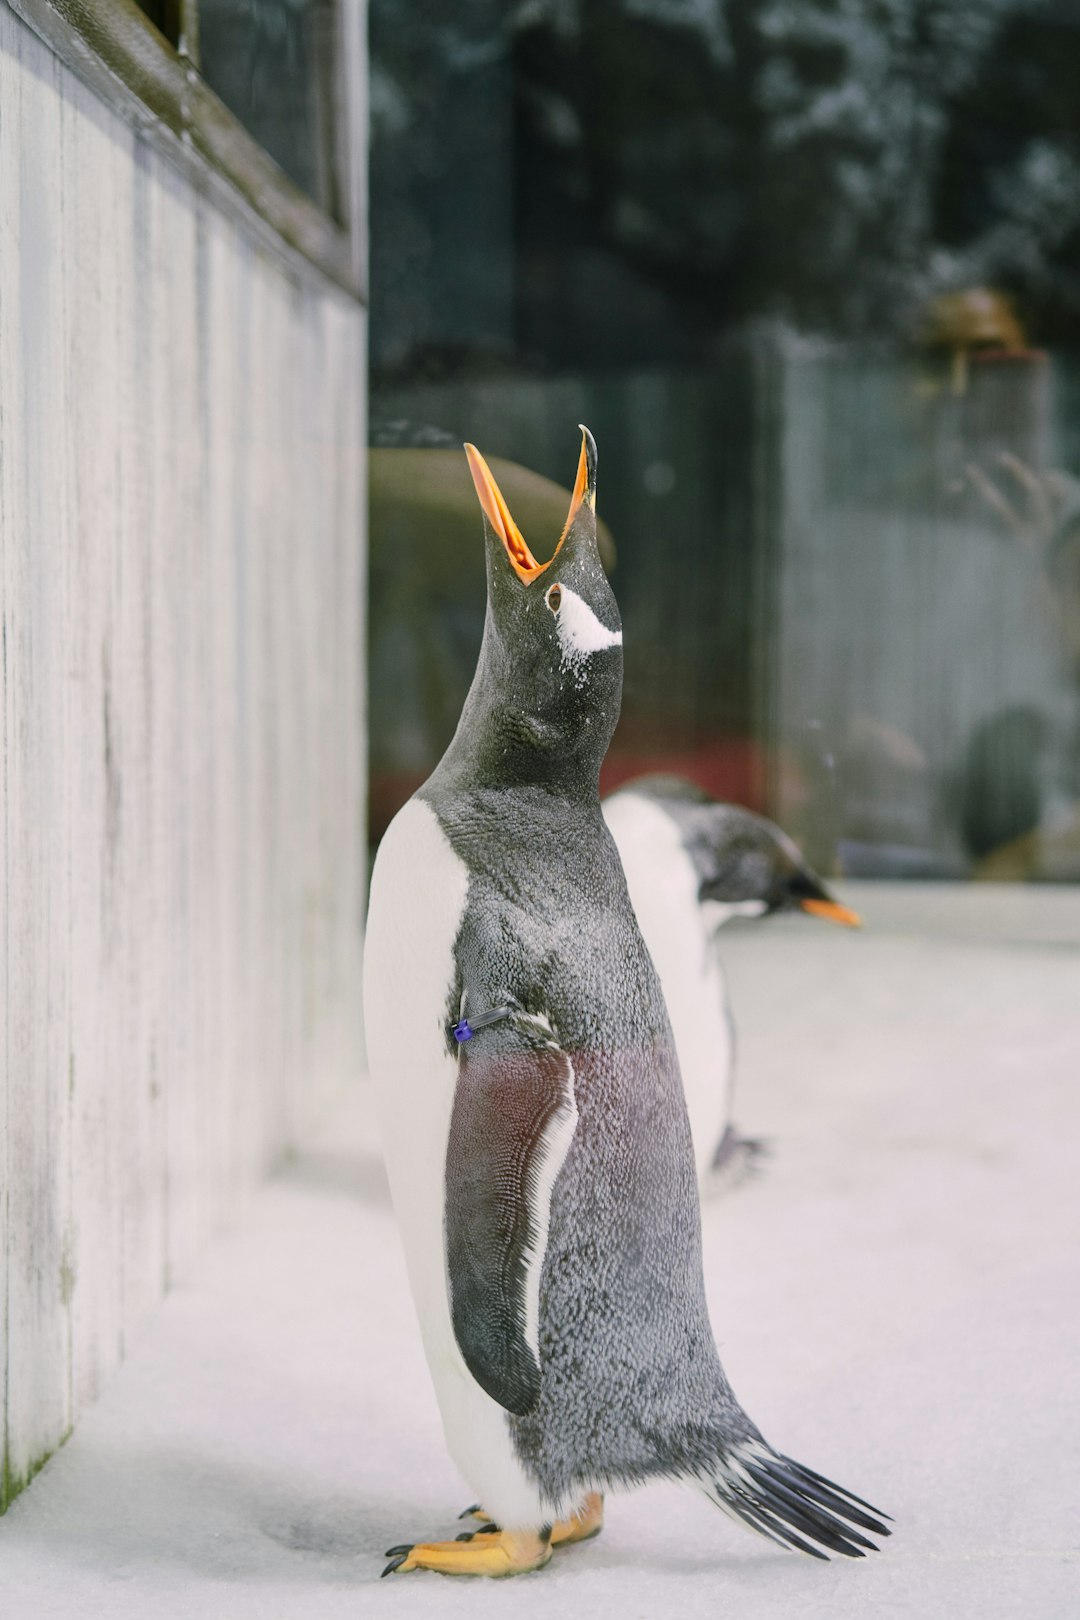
764, 870
798, 888
745, 864
549, 681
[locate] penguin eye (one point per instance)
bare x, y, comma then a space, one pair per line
554, 597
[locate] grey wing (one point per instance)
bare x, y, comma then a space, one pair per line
510, 1130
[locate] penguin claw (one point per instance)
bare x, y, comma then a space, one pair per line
476, 1512
499, 1554
586, 1523
403, 1550
489, 1529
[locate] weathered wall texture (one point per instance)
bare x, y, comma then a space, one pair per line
181, 766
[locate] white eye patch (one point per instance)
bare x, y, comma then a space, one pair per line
579, 631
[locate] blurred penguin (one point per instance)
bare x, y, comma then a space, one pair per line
691, 865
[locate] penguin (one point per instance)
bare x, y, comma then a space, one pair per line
691, 865
534, 1126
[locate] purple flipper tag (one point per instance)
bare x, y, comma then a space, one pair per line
465, 1029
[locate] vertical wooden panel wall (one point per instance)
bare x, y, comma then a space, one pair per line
181, 764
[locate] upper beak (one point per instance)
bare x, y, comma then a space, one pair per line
833, 911
498, 513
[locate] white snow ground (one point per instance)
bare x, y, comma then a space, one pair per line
895, 1296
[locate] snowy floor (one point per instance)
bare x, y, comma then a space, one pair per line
896, 1298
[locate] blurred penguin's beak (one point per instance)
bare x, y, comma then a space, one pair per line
498, 515
832, 911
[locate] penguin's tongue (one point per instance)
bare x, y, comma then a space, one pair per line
832, 911
498, 514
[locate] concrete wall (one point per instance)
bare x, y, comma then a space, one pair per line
181, 754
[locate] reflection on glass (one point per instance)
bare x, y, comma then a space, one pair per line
270, 61
809, 275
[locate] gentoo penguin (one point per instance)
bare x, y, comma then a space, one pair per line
533, 1119
691, 864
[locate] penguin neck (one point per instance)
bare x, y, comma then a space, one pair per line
501, 742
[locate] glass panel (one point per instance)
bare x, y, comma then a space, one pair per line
271, 62
808, 273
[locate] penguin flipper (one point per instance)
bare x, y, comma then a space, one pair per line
510, 1131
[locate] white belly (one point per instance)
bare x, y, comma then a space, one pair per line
663, 889
419, 889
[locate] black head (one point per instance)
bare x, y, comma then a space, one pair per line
742, 859
548, 685
755, 861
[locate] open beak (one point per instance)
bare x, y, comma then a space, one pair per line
498, 514
832, 911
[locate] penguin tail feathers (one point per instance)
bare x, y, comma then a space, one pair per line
791, 1504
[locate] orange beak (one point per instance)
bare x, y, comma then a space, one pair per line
832, 911
498, 514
